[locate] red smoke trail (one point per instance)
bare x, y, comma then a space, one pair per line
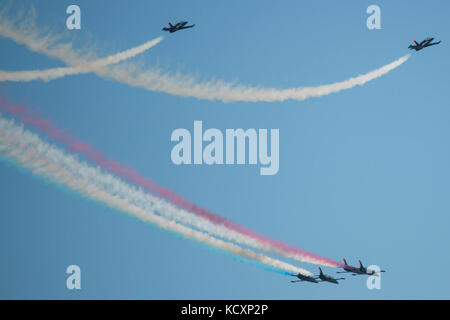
132, 175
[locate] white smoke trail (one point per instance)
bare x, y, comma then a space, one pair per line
48, 161
186, 86
171, 210
180, 85
82, 67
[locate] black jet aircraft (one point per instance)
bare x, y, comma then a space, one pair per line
179, 26
305, 278
425, 43
325, 278
358, 271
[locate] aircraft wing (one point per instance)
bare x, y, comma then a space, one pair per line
187, 27
426, 42
432, 44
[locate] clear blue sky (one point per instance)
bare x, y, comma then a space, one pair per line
364, 173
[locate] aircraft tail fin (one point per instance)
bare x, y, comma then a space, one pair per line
170, 25
345, 262
415, 42
320, 270
360, 263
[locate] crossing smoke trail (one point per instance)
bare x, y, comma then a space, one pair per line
182, 85
42, 159
186, 86
24, 34
83, 67
214, 223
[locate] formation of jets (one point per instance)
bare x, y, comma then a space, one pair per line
321, 277
358, 271
179, 26
425, 43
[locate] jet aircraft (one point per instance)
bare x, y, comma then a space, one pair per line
179, 26
322, 277
326, 278
305, 278
425, 43
358, 271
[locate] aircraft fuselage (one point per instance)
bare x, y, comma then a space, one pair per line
328, 279
307, 278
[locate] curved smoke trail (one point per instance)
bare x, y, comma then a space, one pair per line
186, 86
196, 217
181, 85
45, 160
81, 68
